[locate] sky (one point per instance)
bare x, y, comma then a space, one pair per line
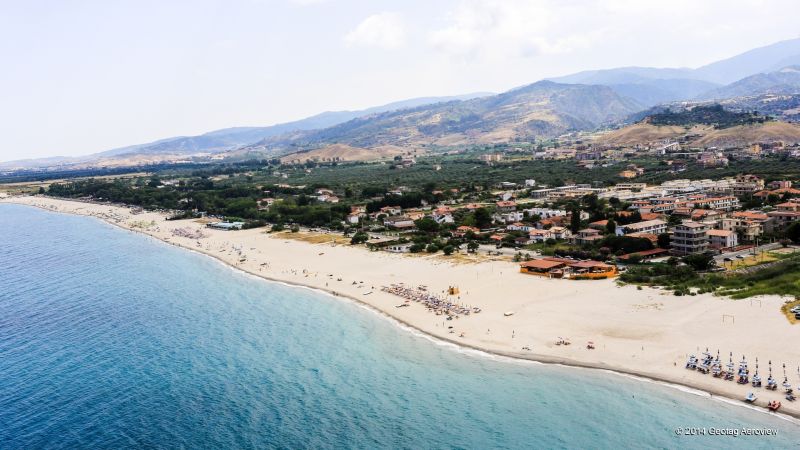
85, 76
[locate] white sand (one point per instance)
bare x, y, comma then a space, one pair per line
643, 332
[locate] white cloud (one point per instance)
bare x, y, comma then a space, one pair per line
513, 28
385, 30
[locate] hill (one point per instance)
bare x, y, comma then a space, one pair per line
759, 60
785, 81
540, 110
645, 133
223, 140
741, 136
704, 136
714, 115
650, 86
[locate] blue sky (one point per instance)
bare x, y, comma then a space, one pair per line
85, 76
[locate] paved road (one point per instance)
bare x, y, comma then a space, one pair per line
720, 259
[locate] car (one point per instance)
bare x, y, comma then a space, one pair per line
797, 316
740, 256
795, 310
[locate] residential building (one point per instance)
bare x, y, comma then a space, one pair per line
655, 226
587, 236
399, 222
689, 238
722, 239
749, 225
506, 206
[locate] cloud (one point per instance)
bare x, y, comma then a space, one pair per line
385, 30
514, 28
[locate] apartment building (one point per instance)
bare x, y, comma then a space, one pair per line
689, 238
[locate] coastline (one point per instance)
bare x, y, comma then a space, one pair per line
416, 323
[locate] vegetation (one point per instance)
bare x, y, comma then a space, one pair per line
714, 115
782, 278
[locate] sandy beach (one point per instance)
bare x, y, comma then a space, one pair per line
645, 332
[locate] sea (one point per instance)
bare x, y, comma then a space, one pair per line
110, 339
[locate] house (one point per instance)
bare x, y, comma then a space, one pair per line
587, 236
464, 230
689, 238
354, 218
398, 248
391, 210
443, 214
399, 222
655, 226
514, 216
326, 198
557, 233
414, 214
519, 226
506, 206
722, 239
599, 225
545, 213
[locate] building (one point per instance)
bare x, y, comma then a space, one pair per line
726, 203
747, 185
226, 226
749, 225
391, 210
587, 236
689, 238
556, 233
655, 226
722, 239
506, 206
492, 157
568, 268
399, 222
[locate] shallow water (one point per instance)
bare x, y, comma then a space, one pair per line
110, 339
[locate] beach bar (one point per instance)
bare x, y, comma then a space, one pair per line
568, 268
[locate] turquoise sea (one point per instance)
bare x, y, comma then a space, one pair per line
109, 339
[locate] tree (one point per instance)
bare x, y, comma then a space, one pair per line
793, 232
448, 249
575, 220
277, 227
416, 248
359, 238
427, 225
699, 261
472, 246
663, 240
483, 219
611, 227
432, 248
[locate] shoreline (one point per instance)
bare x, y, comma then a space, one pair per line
459, 345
